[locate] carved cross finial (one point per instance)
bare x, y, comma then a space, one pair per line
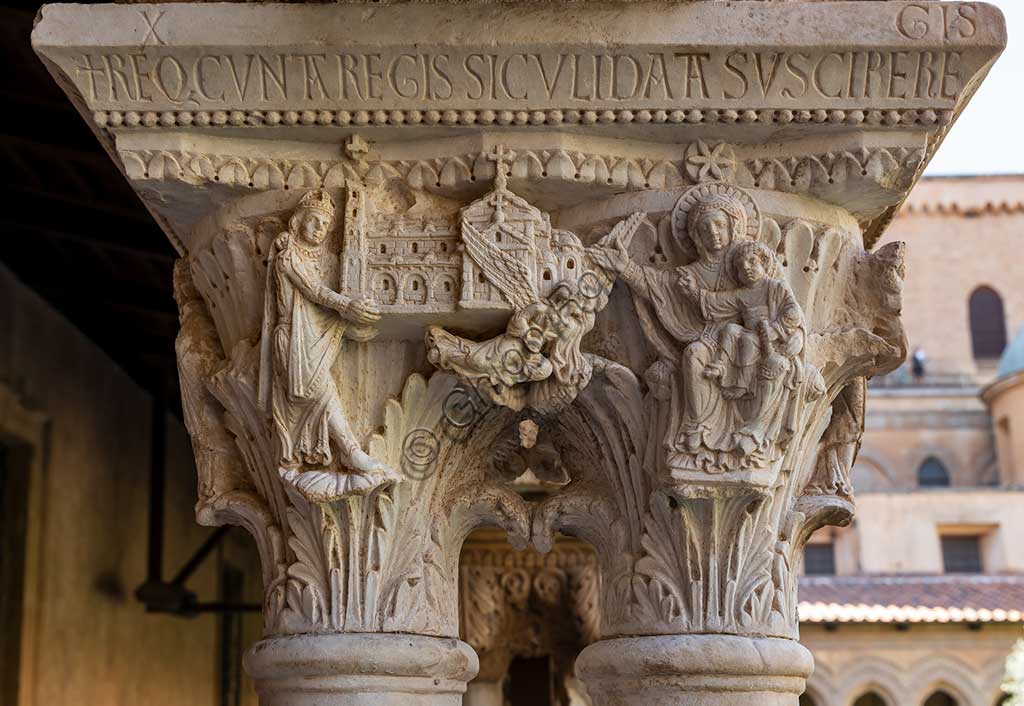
499, 155
356, 148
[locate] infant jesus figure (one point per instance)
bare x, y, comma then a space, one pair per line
756, 362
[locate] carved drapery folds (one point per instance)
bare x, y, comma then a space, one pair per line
418, 263
701, 452
348, 544
704, 456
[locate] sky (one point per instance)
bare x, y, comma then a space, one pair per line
989, 138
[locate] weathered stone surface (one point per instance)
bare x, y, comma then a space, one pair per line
695, 670
623, 249
361, 670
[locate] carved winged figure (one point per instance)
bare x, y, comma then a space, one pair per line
537, 362
305, 325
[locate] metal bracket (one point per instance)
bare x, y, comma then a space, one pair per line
172, 597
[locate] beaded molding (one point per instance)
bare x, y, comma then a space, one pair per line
360, 118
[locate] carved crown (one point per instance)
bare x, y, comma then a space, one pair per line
318, 200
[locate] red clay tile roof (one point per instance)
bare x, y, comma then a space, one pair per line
912, 599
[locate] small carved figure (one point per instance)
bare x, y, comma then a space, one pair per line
305, 325
756, 362
528, 449
840, 443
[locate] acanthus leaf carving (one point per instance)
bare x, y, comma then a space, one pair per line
690, 456
339, 554
716, 546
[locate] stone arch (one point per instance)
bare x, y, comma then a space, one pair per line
920, 454
873, 697
987, 319
414, 289
942, 697
932, 473
873, 465
872, 674
444, 288
944, 673
385, 289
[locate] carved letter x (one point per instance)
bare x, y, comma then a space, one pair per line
151, 23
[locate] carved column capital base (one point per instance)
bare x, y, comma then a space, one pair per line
695, 670
361, 670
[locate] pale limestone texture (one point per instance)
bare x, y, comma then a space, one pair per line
625, 248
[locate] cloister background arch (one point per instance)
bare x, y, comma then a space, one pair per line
941, 698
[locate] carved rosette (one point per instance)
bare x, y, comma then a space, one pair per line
652, 258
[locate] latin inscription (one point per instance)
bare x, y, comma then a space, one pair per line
531, 79
946, 21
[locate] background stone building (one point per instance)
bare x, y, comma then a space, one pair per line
922, 596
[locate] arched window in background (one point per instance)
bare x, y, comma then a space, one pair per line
870, 699
932, 474
941, 698
988, 324
807, 700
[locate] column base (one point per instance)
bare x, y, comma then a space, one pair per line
695, 670
361, 670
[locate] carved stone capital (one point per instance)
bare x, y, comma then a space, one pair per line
420, 262
719, 429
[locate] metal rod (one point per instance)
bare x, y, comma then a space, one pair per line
192, 564
157, 479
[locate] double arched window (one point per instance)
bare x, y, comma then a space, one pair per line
988, 323
932, 474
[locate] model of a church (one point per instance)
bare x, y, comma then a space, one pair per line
417, 267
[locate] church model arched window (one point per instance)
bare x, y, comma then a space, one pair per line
988, 323
941, 698
932, 474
